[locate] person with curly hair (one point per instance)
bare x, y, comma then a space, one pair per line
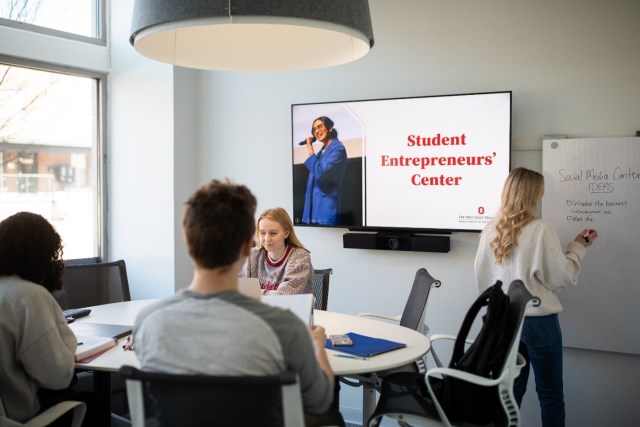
37, 355
279, 260
516, 244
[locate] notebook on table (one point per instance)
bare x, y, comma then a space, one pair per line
365, 346
96, 338
90, 347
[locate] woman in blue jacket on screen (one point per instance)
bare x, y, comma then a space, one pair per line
326, 170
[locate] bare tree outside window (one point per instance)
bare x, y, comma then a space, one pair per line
73, 16
50, 128
48, 152
20, 10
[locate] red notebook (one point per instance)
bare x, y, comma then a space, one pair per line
90, 347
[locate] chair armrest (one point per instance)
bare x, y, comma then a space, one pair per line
380, 316
349, 382
520, 362
56, 411
465, 376
436, 337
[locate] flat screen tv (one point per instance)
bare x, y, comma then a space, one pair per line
431, 164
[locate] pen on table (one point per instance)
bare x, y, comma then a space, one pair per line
350, 356
127, 343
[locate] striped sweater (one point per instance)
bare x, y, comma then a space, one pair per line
292, 274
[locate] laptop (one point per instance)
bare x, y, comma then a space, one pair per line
300, 305
100, 329
250, 286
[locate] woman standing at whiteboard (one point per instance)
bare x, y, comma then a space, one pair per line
517, 244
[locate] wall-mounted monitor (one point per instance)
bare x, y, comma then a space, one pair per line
420, 164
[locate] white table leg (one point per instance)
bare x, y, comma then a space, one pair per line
368, 402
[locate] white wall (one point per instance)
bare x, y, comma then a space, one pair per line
141, 183
141, 165
574, 69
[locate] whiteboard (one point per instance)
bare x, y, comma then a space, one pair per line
595, 183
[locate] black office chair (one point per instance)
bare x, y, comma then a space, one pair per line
321, 288
85, 284
202, 400
474, 390
90, 284
412, 317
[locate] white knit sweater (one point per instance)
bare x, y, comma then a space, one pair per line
538, 260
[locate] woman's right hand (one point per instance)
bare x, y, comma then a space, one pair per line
318, 335
310, 141
586, 237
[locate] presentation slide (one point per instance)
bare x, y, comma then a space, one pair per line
429, 162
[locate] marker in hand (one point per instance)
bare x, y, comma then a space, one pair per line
586, 237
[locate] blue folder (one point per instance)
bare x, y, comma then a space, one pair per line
364, 346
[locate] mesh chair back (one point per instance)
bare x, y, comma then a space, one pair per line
414, 309
86, 285
520, 298
201, 400
408, 397
321, 288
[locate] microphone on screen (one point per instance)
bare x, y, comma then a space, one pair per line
304, 141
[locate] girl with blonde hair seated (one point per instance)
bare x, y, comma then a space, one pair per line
280, 261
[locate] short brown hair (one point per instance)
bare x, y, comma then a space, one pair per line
217, 221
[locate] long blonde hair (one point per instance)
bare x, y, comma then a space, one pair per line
521, 195
280, 216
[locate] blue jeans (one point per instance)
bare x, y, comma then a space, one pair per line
541, 346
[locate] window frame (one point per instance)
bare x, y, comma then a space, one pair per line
101, 25
101, 138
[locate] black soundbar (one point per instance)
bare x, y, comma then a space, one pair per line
398, 242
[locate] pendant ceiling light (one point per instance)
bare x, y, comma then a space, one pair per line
252, 35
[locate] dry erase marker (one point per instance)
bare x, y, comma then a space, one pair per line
586, 236
80, 343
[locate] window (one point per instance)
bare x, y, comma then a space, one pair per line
83, 18
50, 145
